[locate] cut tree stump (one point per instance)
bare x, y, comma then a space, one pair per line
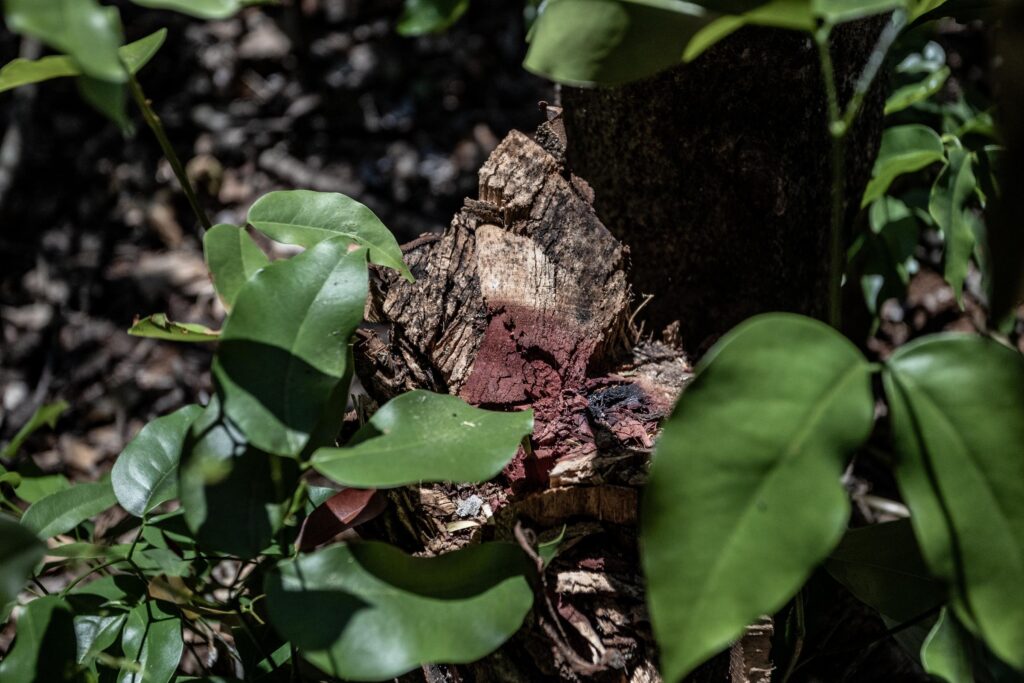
523, 302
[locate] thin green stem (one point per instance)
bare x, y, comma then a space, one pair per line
837, 130
153, 121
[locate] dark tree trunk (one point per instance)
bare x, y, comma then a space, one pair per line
717, 176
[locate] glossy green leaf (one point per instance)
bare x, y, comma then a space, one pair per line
588, 42
201, 9
284, 349
882, 566
945, 653
951, 193
233, 495
421, 437
146, 473
905, 149
369, 612
430, 16
45, 416
88, 32
25, 71
775, 409
20, 551
44, 646
157, 326
94, 633
152, 640
233, 258
62, 511
957, 411
306, 218
909, 95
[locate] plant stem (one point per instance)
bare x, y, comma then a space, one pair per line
837, 130
153, 121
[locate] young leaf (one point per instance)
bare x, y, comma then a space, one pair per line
25, 71
201, 9
306, 218
20, 550
588, 42
957, 410
905, 149
948, 206
152, 640
369, 612
430, 16
945, 653
775, 409
44, 647
882, 566
45, 416
284, 349
157, 326
146, 473
421, 437
233, 258
62, 511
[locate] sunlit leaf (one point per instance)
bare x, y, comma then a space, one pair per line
62, 511
370, 612
146, 473
232, 257
157, 326
45, 416
20, 550
284, 349
152, 640
421, 437
430, 16
775, 409
306, 218
957, 411
905, 149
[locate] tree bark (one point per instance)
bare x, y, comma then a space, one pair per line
717, 176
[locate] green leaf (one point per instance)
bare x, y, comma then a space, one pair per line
905, 149
62, 511
45, 416
776, 407
284, 349
422, 437
957, 411
44, 647
20, 550
32, 489
146, 473
886, 255
909, 95
25, 71
233, 495
152, 640
430, 16
88, 32
588, 42
952, 191
157, 326
369, 612
306, 218
233, 258
945, 654
201, 9
882, 566
106, 97
96, 632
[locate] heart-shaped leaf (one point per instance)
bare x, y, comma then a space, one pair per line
285, 348
20, 550
774, 411
44, 647
62, 511
421, 436
905, 149
146, 473
157, 326
369, 612
306, 218
232, 257
152, 641
957, 410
